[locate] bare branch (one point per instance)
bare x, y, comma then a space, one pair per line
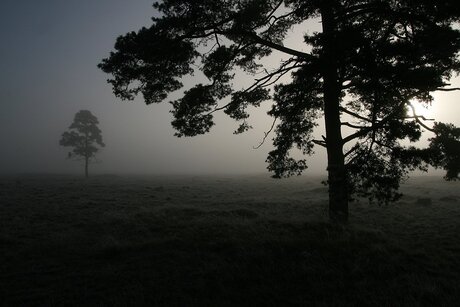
418, 119
354, 114
219, 108
270, 15
319, 142
353, 126
265, 80
280, 75
217, 39
277, 18
447, 89
266, 134
421, 117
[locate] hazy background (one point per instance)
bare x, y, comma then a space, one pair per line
48, 58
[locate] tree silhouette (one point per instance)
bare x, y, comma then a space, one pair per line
370, 62
84, 135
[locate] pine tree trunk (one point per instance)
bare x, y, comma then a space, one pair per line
86, 154
337, 177
86, 167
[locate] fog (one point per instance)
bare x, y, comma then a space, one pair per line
49, 56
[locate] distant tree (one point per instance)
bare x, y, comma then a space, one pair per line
84, 135
372, 60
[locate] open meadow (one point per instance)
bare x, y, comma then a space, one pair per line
223, 241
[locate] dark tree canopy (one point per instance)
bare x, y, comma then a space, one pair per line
372, 60
84, 136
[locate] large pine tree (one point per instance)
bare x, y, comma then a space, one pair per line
369, 63
84, 136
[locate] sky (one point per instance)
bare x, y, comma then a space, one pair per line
48, 71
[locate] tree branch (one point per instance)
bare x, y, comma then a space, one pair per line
262, 41
447, 89
266, 134
417, 119
374, 127
264, 81
320, 143
353, 149
354, 114
283, 69
270, 15
353, 126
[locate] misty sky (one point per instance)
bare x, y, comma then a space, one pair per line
48, 71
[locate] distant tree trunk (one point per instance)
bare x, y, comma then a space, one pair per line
337, 177
86, 167
86, 155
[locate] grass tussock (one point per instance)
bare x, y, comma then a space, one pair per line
146, 241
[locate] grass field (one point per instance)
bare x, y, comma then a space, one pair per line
223, 241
